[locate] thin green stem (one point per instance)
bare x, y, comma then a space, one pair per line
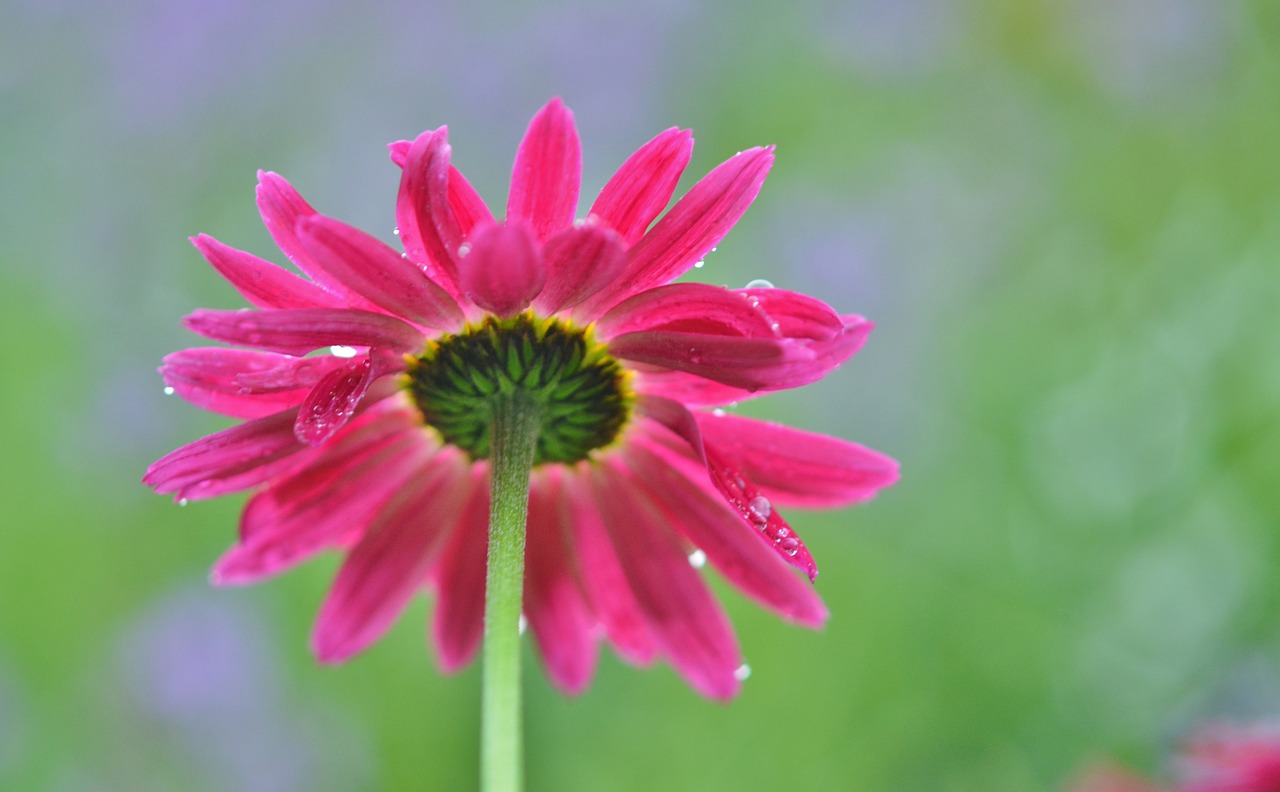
512, 435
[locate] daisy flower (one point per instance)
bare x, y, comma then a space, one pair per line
376, 385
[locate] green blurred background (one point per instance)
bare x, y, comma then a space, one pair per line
1063, 216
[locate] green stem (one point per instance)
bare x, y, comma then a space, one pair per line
512, 435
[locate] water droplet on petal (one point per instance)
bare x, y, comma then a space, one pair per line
342, 351
742, 672
699, 264
183, 501
790, 546
396, 230
697, 559
759, 283
717, 412
168, 390
464, 249
758, 509
524, 624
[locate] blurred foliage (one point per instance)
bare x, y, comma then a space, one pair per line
1063, 216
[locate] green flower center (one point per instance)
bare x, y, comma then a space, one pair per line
581, 392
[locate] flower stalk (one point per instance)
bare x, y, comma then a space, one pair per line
513, 435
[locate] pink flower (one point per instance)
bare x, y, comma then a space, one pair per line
377, 446
1227, 758
1219, 758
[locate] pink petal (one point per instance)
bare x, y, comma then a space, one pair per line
748, 363
547, 173
260, 282
333, 401
692, 228
690, 627
275, 373
209, 377
327, 504
390, 561
580, 261
745, 498
503, 271
428, 226
457, 625
606, 584
373, 270
796, 467
399, 151
797, 315
689, 307
643, 186
225, 461
707, 522
686, 388
281, 208
467, 205
559, 617
465, 202
297, 331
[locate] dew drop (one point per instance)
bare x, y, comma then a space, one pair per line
342, 351
759, 283
699, 264
742, 672
168, 390
697, 559
464, 249
524, 624
183, 501
717, 412
396, 230
758, 509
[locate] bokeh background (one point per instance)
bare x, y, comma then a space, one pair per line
1063, 215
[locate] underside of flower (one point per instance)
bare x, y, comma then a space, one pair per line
581, 392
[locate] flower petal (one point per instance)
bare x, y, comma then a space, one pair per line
706, 521
605, 581
457, 626
692, 228
326, 504
748, 363
466, 203
378, 273
547, 173
209, 377
691, 628
689, 307
428, 226
297, 331
559, 617
580, 261
687, 388
390, 561
226, 461
281, 208
797, 315
643, 186
333, 401
795, 467
259, 281
503, 271
468, 207
738, 492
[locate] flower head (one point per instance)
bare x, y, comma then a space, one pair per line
365, 385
